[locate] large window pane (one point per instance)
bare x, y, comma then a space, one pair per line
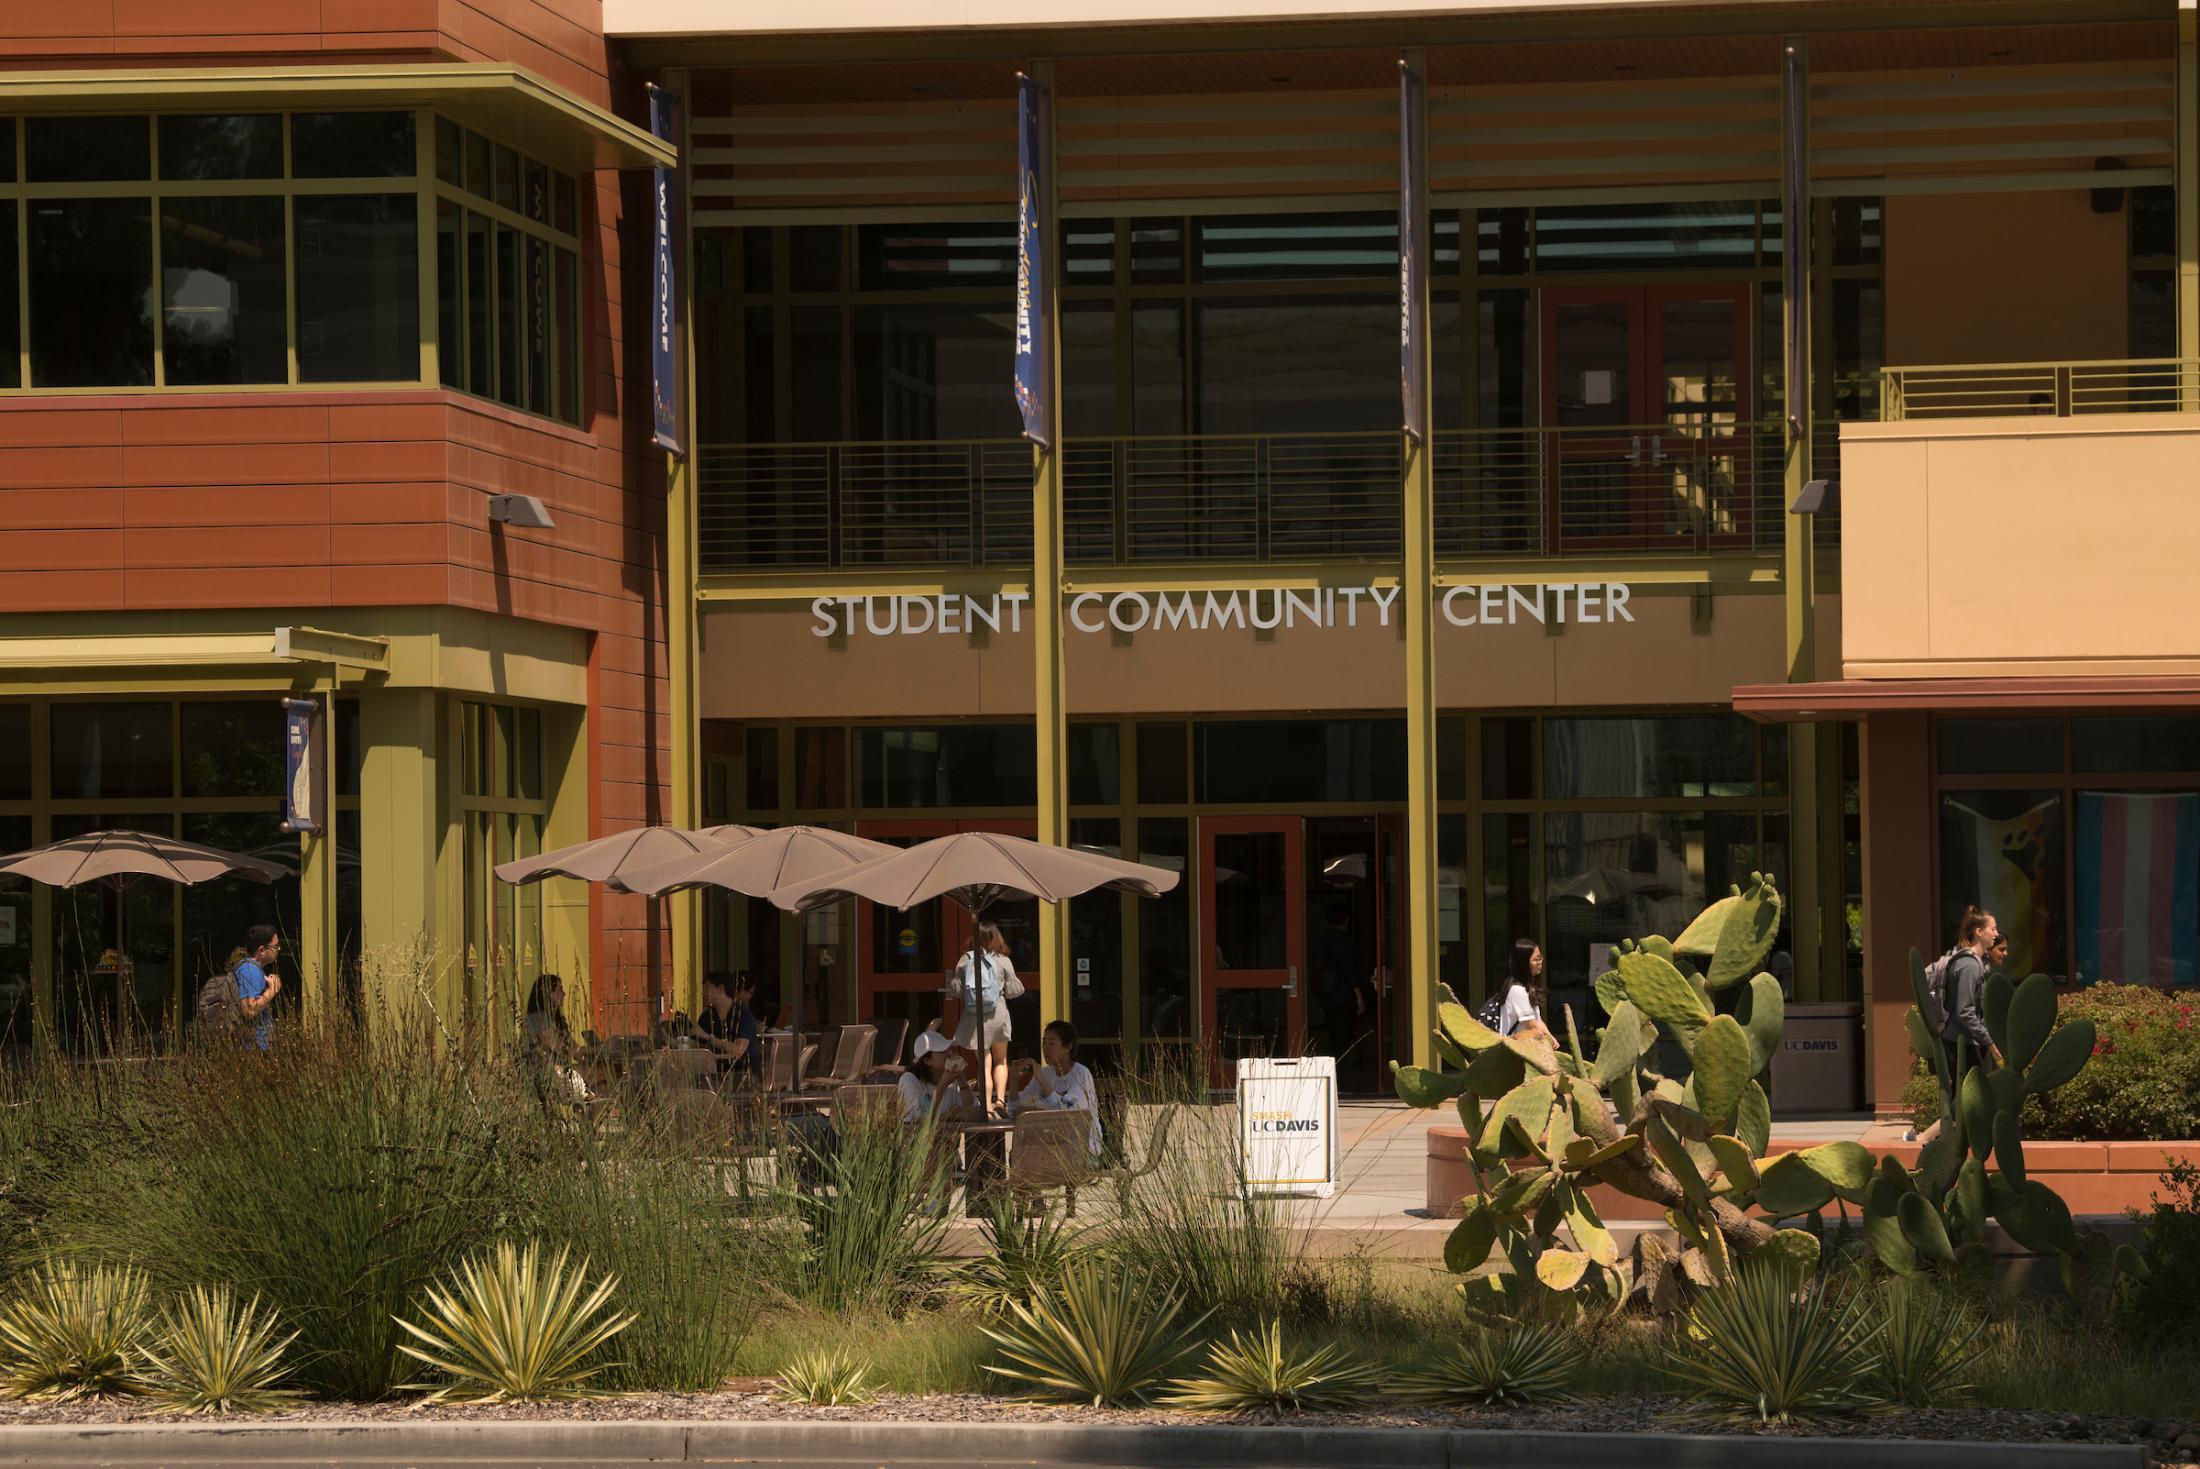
91, 290
2138, 886
1297, 366
903, 257
222, 283
87, 149
114, 949
1679, 755
815, 409
15, 754
1096, 942
1157, 368
1095, 764
935, 372
450, 293
569, 337
510, 324
2000, 746
1692, 236
1163, 778
1509, 892
1165, 934
249, 146
1088, 369
358, 288
217, 914
1298, 247
955, 765
11, 309
233, 748
15, 959
538, 325
1261, 761
352, 145
2004, 851
2146, 742
104, 751
480, 321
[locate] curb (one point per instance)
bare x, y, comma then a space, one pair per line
869, 1445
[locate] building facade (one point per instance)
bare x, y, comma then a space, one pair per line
1769, 347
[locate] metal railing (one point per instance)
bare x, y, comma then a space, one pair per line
1241, 498
2044, 389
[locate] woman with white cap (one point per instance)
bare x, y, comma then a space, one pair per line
930, 1087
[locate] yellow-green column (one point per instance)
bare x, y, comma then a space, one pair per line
684, 911
1799, 572
2188, 205
408, 920
1417, 598
1050, 708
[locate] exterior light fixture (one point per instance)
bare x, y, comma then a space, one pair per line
521, 510
1817, 495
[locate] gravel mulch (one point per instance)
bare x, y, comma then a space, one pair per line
753, 1400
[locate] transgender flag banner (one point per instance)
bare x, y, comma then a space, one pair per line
2138, 887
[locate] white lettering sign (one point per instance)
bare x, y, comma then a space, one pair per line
1262, 611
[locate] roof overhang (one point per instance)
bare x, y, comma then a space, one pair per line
508, 101
280, 646
1858, 698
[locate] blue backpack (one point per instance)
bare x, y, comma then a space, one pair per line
981, 990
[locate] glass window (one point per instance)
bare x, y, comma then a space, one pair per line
2137, 887
815, 407
535, 191
352, 145
244, 146
1858, 231
222, 308
2153, 327
1157, 251
358, 288
59, 150
511, 383
523, 747
1615, 875
350, 754
2000, 746
108, 750
2146, 742
2004, 851
1088, 252
821, 768
568, 337
1696, 236
1262, 761
1677, 755
1165, 933
903, 257
480, 282
15, 959
537, 309
813, 257
1508, 758
1774, 742
1096, 941
1163, 775
477, 166
954, 765
216, 914
1451, 759
756, 260
565, 194
450, 152
504, 188
1298, 247
1501, 241
935, 372
1095, 764
1088, 369
91, 293
11, 308
1504, 390
1509, 891
1305, 365
15, 755
233, 748
760, 756
450, 275
7, 150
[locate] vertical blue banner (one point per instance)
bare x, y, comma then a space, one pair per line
1034, 241
1412, 298
304, 751
667, 318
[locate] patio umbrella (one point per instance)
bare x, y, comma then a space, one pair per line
767, 861
118, 858
977, 869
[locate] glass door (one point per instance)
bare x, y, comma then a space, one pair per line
1593, 414
1253, 943
1698, 354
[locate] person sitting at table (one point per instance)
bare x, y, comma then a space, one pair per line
728, 1026
550, 1038
931, 1088
1064, 1083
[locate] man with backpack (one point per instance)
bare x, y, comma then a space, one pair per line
1955, 985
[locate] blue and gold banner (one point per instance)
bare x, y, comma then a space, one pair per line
667, 324
305, 751
1412, 298
1034, 239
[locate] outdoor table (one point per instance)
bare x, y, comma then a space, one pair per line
985, 1164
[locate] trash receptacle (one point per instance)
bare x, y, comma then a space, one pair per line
1817, 1068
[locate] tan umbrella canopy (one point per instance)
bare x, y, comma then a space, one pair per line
118, 857
759, 865
606, 859
977, 869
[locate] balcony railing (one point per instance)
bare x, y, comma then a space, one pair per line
1241, 498
2044, 389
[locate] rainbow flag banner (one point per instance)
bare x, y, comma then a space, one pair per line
2138, 887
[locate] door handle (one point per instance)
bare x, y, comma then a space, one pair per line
1291, 985
1657, 449
1634, 451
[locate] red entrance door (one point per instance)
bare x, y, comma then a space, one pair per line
903, 958
1253, 940
1646, 406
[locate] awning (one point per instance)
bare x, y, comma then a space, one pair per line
519, 107
1855, 698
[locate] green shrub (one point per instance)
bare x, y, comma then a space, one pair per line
217, 1354
2143, 1082
1257, 1371
864, 1222
1493, 1367
1772, 1346
1021, 1257
72, 1332
1099, 1338
511, 1327
2165, 1301
1927, 1347
827, 1377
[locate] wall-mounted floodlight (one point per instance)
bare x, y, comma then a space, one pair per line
1817, 496
520, 510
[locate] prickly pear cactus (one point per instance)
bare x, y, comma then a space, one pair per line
1936, 1214
1544, 1124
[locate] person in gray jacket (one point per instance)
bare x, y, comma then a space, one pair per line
1962, 996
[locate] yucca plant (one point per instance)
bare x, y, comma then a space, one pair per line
1770, 1346
216, 1354
1513, 1367
73, 1332
829, 1377
1929, 1346
512, 1326
1022, 1257
1096, 1338
1256, 1370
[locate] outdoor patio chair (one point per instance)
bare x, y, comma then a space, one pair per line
783, 1070
852, 1057
891, 1039
1124, 1175
1050, 1150
866, 1106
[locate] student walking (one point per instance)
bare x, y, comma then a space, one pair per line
1960, 987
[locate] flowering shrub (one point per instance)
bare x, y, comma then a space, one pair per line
2142, 1084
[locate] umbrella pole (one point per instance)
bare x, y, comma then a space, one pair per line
985, 1061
